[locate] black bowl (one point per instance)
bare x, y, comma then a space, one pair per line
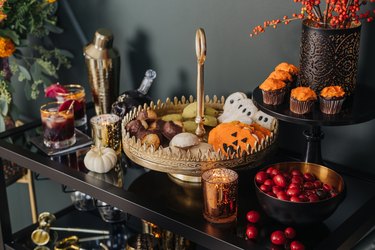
297, 213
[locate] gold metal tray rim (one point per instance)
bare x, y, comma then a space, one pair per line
148, 158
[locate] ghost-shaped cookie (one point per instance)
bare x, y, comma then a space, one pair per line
233, 99
242, 110
265, 120
230, 104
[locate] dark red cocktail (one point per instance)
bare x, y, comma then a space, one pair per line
58, 126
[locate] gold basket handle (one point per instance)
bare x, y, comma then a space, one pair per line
200, 50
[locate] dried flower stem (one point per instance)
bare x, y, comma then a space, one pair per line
326, 13
320, 13
317, 12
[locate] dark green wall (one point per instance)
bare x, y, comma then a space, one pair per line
160, 34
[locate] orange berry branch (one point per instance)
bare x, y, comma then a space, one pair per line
338, 14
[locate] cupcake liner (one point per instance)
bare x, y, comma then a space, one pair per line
301, 107
331, 106
274, 97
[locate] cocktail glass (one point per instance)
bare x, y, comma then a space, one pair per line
58, 125
77, 93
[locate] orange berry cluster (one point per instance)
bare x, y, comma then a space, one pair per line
337, 14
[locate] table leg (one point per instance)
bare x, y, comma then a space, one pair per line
313, 152
5, 226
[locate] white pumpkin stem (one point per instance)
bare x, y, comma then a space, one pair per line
100, 153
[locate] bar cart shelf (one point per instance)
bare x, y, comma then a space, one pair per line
157, 198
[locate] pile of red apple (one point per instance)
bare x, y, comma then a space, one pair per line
279, 238
293, 186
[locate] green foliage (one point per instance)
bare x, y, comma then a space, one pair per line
4, 107
29, 17
4, 92
10, 34
36, 66
24, 72
2, 124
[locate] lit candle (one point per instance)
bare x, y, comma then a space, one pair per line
220, 195
106, 131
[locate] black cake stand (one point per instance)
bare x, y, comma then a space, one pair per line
358, 108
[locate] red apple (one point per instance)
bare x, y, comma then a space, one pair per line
253, 216
309, 177
308, 185
276, 189
265, 188
260, 177
313, 197
296, 245
278, 237
280, 180
269, 182
275, 172
296, 172
297, 179
290, 232
282, 196
251, 232
293, 191
295, 199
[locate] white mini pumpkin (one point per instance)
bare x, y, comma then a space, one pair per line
100, 159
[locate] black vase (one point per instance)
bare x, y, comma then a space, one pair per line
329, 57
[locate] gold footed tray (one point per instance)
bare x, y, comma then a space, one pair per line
182, 164
186, 165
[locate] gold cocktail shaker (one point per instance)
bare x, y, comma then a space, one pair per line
103, 65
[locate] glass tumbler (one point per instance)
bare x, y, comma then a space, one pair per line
82, 201
77, 93
58, 125
220, 196
110, 213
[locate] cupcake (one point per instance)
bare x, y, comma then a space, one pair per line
290, 68
284, 76
302, 100
331, 99
273, 91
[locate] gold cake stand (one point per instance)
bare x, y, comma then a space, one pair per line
181, 164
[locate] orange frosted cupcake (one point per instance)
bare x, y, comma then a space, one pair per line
302, 100
284, 76
331, 99
273, 91
290, 68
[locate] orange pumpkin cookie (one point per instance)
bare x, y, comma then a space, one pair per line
264, 131
233, 137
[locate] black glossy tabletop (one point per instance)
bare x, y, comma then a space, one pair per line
158, 196
356, 109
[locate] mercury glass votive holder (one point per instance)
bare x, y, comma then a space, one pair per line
220, 195
106, 131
